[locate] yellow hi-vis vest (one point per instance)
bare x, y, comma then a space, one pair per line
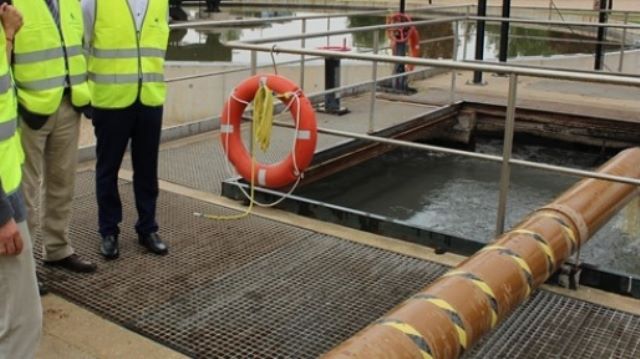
124, 63
39, 56
11, 155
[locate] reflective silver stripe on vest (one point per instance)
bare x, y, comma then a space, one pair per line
8, 129
37, 56
5, 83
77, 79
124, 79
51, 83
74, 51
126, 53
41, 85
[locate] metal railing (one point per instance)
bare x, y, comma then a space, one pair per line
512, 71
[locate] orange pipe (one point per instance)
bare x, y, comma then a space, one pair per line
455, 311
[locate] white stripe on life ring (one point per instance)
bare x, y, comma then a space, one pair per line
226, 128
304, 135
262, 177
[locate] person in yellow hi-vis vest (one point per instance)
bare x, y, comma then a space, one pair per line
20, 308
127, 43
50, 72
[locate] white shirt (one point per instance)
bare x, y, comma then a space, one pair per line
138, 7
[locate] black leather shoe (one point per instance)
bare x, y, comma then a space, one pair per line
109, 247
42, 288
74, 263
153, 243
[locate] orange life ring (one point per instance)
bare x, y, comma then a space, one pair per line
402, 34
278, 174
414, 46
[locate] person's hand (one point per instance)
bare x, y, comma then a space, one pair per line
11, 20
10, 239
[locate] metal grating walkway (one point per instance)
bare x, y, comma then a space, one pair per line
260, 288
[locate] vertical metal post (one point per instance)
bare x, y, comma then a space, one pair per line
374, 79
504, 31
254, 62
402, 7
623, 42
224, 91
452, 93
602, 18
466, 32
505, 173
302, 59
482, 12
328, 29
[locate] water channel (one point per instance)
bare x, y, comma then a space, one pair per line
459, 196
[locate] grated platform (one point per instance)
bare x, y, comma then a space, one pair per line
259, 288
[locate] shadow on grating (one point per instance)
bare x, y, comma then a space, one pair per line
258, 288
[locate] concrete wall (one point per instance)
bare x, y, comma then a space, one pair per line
198, 99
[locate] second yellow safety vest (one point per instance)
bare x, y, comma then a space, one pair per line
39, 56
11, 155
126, 64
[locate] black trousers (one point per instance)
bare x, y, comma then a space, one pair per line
113, 129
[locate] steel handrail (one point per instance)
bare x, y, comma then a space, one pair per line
479, 156
551, 22
457, 65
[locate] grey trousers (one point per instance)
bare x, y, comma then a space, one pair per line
49, 178
20, 307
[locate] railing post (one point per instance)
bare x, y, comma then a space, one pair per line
374, 86
302, 59
504, 31
466, 32
505, 173
623, 42
482, 12
328, 29
224, 91
602, 34
452, 93
254, 62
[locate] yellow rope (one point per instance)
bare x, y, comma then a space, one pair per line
263, 116
261, 129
